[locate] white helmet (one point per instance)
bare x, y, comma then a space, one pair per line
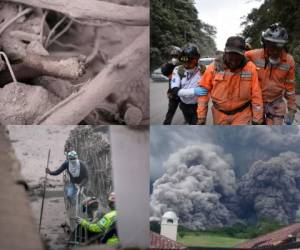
276, 34
72, 155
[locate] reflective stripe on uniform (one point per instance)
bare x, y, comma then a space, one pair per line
284, 67
202, 104
246, 74
259, 63
290, 93
229, 73
290, 81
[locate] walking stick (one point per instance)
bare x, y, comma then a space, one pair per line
44, 192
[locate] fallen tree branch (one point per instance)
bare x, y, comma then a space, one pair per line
96, 47
24, 36
120, 73
59, 34
42, 27
34, 65
94, 10
10, 22
52, 31
64, 68
9, 66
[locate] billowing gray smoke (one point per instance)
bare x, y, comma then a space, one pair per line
198, 181
271, 189
247, 144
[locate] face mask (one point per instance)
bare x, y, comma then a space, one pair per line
174, 61
274, 61
74, 167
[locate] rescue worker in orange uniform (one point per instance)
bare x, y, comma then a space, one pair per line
233, 86
276, 74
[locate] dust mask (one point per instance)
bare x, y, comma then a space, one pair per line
74, 167
274, 61
174, 61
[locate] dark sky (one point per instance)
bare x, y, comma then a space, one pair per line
245, 144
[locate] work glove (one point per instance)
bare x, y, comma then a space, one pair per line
201, 121
78, 220
199, 91
290, 117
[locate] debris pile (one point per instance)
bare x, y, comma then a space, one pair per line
92, 62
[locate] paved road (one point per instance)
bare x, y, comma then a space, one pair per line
159, 105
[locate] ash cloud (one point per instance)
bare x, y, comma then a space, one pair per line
247, 144
197, 178
212, 177
271, 189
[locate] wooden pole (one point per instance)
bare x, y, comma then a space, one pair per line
44, 192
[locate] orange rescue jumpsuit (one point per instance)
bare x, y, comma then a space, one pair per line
276, 82
236, 96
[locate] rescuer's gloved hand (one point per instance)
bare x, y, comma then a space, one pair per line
199, 91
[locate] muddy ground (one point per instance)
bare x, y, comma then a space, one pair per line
31, 144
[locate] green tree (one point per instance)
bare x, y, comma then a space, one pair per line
271, 11
175, 22
155, 226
